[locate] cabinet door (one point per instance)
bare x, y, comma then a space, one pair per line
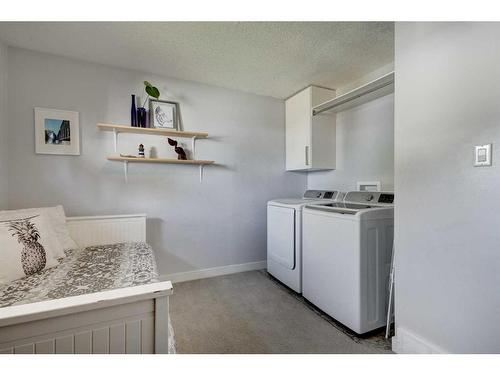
298, 131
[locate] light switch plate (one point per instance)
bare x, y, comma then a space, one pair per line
482, 155
368, 185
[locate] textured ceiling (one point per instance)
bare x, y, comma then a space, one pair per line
266, 58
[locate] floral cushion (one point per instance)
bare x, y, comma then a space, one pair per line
82, 271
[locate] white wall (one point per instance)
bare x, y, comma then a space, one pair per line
3, 127
374, 74
365, 148
447, 217
191, 225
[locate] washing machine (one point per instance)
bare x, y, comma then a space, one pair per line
347, 248
284, 235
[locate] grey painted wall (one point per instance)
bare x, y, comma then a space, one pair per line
365, 148
447, 215
192, 225
3, 127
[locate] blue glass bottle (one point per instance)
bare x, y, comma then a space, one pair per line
133, 113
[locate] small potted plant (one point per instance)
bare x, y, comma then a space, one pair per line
151, 91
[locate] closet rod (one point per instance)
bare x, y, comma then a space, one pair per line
378, 84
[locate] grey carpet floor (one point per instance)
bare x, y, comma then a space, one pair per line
250, 312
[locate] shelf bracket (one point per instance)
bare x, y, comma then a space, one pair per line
201, 173
115, 138
125, 170
193, 147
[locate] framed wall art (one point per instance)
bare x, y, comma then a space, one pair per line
57, 132
163, 114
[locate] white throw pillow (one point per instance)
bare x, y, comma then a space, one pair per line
57, 219
27, 245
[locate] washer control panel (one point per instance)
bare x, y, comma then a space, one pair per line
321, 194
372, 197
386, 198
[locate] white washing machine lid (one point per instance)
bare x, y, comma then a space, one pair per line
358, 204
293, 203
310, 197
344, 208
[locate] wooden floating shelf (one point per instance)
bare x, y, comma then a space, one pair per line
116, 129
153, 131
160, 160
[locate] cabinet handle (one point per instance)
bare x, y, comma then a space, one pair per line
306, 148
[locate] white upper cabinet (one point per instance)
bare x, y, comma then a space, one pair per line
310, 140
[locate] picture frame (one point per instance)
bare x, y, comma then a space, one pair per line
57, 132
163, 114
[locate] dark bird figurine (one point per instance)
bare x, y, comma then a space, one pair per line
181, 154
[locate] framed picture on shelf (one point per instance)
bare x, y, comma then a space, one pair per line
163, 114
57, 132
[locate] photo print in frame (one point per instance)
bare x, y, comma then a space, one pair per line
57, 132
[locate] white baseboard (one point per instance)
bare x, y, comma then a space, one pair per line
406, 342
212, 272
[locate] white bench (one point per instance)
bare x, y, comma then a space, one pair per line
126, 320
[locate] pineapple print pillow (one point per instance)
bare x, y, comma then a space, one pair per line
57, 219
27, 245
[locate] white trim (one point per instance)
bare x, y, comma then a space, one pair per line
406, 342
107, 217
215, 271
